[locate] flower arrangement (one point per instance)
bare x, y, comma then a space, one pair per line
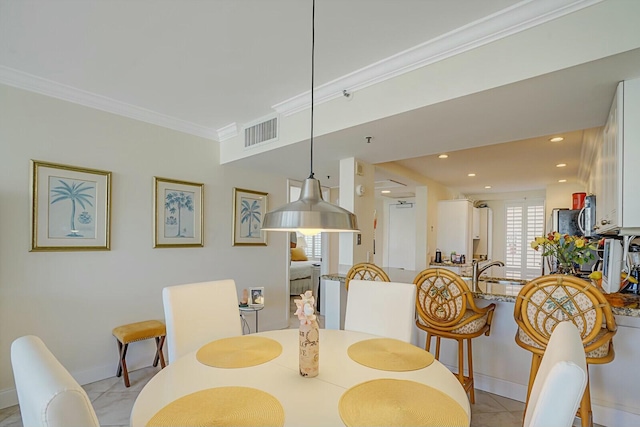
305, 308
568, 250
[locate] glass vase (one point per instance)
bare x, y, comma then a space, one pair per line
309, 337
566, 268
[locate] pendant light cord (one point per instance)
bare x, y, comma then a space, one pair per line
313, 44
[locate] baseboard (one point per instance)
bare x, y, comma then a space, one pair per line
603, 412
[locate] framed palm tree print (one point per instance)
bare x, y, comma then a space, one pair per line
249, 208
70, 208
178, 218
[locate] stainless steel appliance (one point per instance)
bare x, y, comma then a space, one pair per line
587, 216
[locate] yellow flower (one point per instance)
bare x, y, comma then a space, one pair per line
534, 244
540, 240
579, 243
556, 236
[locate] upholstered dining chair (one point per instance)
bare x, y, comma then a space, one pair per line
549, 300
198, 313
446, 309
47, 393
366, 271
385, 309
560, 381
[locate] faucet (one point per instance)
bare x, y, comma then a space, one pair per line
476, 272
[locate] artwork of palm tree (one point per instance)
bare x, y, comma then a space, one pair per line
176, 202
76, 193
249, 213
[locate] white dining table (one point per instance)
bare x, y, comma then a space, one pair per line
306, 401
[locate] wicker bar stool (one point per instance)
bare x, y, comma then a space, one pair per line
548, 300
446, 309
366, 271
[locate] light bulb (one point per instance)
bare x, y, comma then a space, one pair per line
309, 231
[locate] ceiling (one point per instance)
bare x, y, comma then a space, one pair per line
204, 65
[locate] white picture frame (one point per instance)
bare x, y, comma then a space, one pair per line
256, 297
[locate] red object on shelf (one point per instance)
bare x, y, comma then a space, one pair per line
578, 200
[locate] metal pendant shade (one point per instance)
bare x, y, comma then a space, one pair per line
310, 214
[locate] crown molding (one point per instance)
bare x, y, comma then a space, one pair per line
21, 80
509, 21
227, 132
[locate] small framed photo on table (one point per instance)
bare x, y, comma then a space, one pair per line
256, 297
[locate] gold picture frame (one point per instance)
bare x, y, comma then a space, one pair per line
178, 220
70, 208
249, 208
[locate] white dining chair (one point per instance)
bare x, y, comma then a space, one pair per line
381, 308
560, 381
198, 313
47, 393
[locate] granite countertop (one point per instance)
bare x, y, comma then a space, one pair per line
490, 290
450, 264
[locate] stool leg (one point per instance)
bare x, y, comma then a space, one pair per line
535, 364
586, 416
437, 348
159, 354
472, 397
428, 342
122, 366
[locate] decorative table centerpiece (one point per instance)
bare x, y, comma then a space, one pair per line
568, 250
309, 335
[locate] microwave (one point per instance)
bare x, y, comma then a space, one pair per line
611, 265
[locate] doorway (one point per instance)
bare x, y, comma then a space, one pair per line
401, 236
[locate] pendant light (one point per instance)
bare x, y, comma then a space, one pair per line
310, 214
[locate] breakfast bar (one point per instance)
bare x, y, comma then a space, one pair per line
502, 367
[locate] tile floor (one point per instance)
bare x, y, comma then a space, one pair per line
113, 401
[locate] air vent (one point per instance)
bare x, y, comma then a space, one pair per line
261, 132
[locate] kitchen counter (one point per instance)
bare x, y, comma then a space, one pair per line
490, 289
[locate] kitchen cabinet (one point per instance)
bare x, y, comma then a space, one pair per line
482, 246
455, 226
476, 224
618, 204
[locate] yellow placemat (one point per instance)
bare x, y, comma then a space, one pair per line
222, 406
389, 402
389, 355
239, 352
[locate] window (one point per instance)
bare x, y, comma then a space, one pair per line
312, 244
313, 247
524, 220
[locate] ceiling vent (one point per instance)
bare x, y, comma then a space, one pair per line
261, 132
388, 183
398, 195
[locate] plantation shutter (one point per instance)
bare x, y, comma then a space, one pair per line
524, 221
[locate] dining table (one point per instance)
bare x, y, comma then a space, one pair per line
344, 389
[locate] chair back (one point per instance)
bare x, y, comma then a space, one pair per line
549, 300
366, 271
47, 393
443, 300
385, 309
198, 313
560, 382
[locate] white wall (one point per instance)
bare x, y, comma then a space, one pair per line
73, 300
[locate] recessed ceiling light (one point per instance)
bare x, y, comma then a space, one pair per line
487, 186
386, 191
443, 156
556, 139
471, 174
562, 180
561, 165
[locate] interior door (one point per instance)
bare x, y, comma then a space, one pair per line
402, 236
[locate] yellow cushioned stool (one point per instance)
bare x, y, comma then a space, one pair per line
139, 331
